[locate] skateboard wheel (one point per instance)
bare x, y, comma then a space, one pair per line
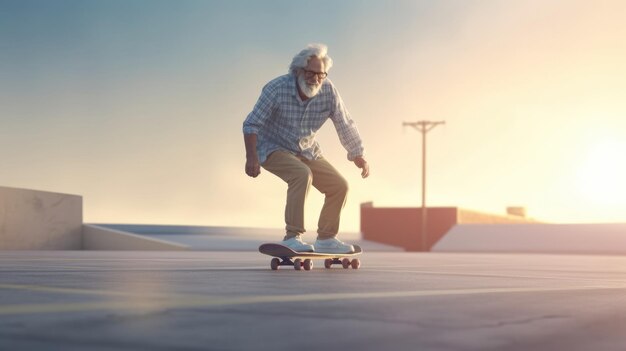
345, 263
275, 264
297, 264
355, 263
308, 264
328, 262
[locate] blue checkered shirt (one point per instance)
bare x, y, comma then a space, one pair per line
282, 121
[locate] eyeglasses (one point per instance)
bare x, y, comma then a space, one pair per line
309, 74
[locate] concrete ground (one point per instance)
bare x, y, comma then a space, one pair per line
77, 300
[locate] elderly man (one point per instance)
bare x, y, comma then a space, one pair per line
279, 135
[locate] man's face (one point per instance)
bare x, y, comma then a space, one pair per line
311, 77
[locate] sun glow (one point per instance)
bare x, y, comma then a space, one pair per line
602, 177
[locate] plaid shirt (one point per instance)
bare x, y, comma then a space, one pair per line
282, 121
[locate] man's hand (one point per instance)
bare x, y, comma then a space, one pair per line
253, 168
362, 164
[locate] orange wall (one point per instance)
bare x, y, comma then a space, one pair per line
402, 226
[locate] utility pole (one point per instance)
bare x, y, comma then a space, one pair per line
424, 127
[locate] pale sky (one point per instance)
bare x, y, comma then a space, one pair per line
138, 105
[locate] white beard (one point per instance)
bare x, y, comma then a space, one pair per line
308, 90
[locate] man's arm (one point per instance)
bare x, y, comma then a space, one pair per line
253, 168
349, 134
256, 120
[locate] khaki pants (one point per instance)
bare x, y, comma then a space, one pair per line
299, 173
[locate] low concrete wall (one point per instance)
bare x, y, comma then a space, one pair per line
100, 238
474, 217
535, 238
40, 220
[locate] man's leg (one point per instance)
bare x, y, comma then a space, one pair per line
328, 181
298, 177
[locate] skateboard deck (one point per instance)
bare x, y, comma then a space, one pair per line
284, 256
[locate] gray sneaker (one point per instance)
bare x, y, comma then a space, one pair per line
296, 244
333, 246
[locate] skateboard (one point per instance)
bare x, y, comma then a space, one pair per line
284, 256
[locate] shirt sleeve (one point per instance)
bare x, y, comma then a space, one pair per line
346, 128
261, 112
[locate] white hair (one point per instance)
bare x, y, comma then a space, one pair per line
301, 60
